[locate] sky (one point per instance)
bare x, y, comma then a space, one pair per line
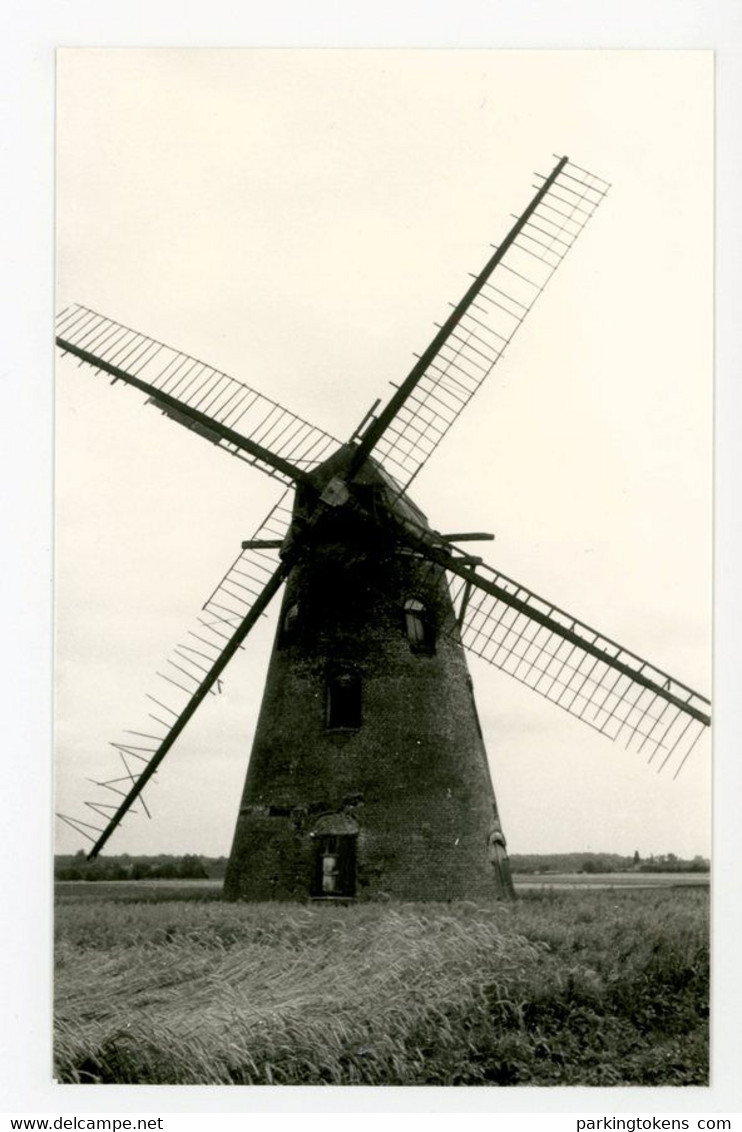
300, 219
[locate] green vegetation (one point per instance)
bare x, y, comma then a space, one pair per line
571, 988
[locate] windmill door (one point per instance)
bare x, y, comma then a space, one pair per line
335, 865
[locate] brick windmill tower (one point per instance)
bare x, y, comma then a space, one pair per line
368, 776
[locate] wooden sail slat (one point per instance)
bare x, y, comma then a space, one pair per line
199, 397
477, 332
222, 635
605, 685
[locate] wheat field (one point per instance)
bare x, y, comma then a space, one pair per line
563, 988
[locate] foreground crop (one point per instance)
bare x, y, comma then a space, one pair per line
598, 988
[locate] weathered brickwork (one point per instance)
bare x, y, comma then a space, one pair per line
412, 778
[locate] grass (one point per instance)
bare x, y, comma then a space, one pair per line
563, 988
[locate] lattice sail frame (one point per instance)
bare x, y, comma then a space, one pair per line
536, 246
232, 598
608, 687
204, 400
188, 674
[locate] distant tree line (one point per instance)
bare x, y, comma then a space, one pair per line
525, 863
191, 866
125, 867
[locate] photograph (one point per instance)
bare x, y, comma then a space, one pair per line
383, 566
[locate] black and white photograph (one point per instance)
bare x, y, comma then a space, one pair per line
383, 567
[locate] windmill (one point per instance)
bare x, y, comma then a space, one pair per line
368, 775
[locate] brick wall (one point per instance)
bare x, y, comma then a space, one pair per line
413, 776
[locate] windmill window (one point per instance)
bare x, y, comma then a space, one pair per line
344, 701
417, 625
290, 618
335, 865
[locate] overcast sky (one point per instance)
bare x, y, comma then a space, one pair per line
299, 220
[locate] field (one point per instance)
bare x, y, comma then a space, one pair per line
163, 984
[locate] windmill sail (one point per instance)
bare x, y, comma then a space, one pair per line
203, 399
190, 673
605, 685
482, 324
232, 599
376, 613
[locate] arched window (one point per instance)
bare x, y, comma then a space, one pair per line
344, 701
417, 625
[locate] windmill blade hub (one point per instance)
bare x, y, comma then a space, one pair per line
336, 493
